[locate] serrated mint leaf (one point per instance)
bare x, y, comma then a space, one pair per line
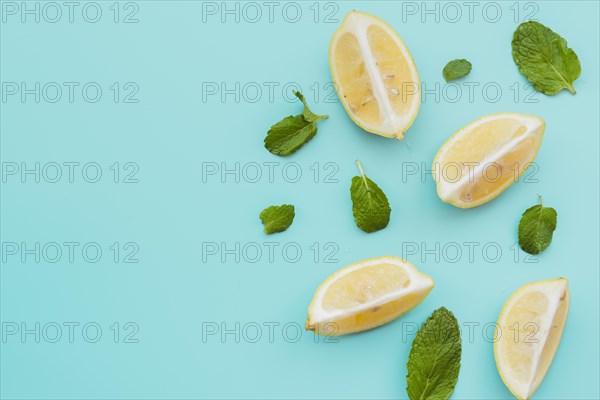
434, 360
456, 69
544, 58
370, 206
536, 228
277, 218
291, 133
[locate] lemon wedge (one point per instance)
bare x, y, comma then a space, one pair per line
375, 75
365, 295
528, 334
484, 158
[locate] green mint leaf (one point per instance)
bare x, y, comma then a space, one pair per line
544, 58
277, 218
370, 206
536, 228
291, 133
456, 69
434, 360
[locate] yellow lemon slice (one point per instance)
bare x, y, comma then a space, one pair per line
484, 158
528, 334
365, 295
375, 75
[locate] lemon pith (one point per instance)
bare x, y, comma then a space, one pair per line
482, 159
365, 295
528, 334
375, 75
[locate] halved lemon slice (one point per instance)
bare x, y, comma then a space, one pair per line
365, 295
484, 158
375, 75
528, 334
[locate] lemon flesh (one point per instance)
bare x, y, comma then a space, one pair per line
375, 75
366, 295
528, 334
484, 158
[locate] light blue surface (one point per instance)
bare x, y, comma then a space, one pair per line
175, 213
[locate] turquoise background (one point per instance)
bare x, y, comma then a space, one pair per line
175, 213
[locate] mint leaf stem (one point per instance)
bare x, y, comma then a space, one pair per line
362, 173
